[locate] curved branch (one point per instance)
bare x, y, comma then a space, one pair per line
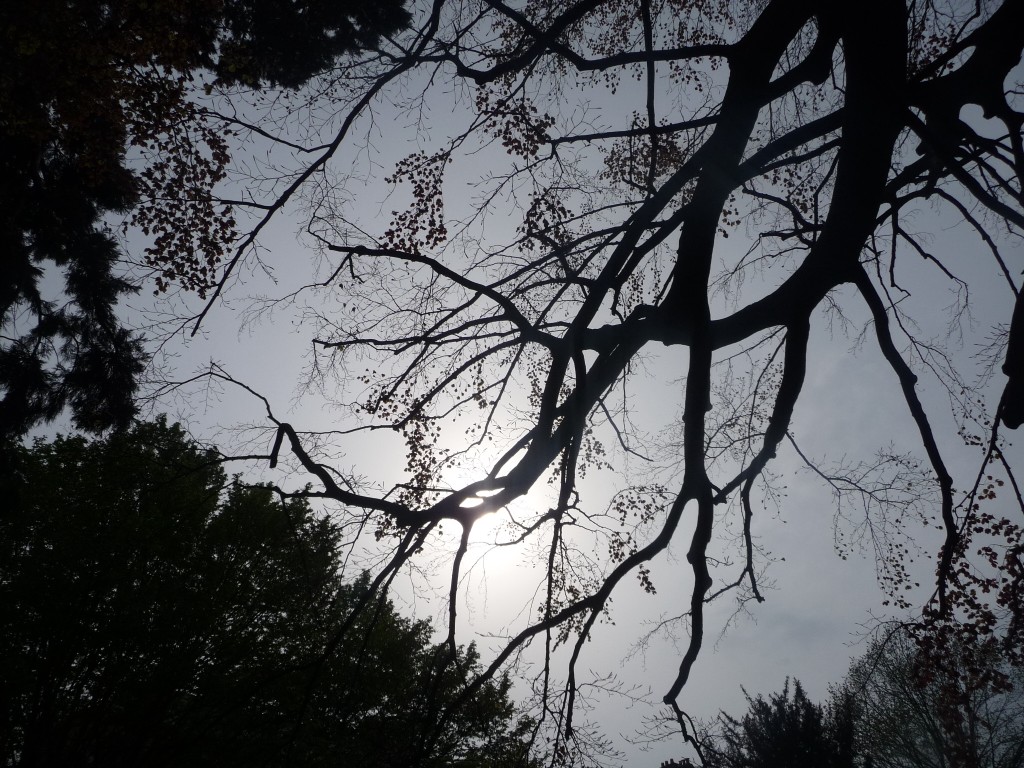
908, 381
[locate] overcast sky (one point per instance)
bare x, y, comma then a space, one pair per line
818, 606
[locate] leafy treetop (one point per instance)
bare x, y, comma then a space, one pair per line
157, 614
82, 85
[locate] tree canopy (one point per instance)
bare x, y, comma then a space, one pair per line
894, 709
915, 713
786, 730
576, 189
157, 614
83, 85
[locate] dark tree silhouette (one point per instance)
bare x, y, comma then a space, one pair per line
1012, 404
83, 84
155, 613
896, 708
787, 730
617, 151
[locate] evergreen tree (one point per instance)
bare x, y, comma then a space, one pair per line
786, 730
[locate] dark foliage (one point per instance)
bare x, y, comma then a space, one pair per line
787, 730
895, 709
273, 41
155, 614
81, 83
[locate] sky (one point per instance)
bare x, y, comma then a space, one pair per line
822, 600
820, 607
